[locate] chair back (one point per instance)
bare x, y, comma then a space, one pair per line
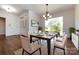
29, 35
64, 40
25, 42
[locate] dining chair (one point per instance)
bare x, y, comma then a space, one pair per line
60, 45
60, 37
34, 39
28, 47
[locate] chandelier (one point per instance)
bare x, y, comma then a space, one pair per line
47, 16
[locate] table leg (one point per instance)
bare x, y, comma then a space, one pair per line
30, 39
49, 46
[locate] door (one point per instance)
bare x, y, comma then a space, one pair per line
2, 26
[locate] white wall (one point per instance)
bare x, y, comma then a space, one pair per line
33, 16
12, 23
28, 16
77, 17
24, 24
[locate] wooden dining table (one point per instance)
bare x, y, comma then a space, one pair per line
48, 38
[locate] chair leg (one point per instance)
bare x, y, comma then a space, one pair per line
39, 41
40, 50
59, 48
23, 52
53, 50
64, 51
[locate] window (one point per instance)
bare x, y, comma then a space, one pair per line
54, 24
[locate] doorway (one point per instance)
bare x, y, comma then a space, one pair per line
2, 35
2, 28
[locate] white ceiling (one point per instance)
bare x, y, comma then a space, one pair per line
40, 8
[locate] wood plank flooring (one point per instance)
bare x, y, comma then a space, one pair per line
11, 44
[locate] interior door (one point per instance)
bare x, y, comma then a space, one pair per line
2, 26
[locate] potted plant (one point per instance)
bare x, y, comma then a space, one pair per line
40, 29
71, 30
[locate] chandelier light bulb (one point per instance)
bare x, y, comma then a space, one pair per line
43, 15
48, 14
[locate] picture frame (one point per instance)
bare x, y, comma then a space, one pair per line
34, 23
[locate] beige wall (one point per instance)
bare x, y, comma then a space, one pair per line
42, 22
68, 18
77, 17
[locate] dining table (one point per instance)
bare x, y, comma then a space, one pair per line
48, 38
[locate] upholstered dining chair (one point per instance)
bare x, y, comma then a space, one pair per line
60, 37
34, 39
60, 44
28, 47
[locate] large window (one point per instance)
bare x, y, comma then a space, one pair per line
54, 24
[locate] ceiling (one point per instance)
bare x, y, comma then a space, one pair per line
40, 8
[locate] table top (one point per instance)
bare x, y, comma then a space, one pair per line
42, 36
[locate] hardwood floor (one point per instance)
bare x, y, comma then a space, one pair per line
11, 44
71, 48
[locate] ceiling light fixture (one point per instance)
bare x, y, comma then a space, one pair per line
47, 16
9, 8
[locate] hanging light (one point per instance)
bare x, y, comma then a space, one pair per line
47, 15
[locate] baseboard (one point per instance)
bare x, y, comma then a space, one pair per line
2, 34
